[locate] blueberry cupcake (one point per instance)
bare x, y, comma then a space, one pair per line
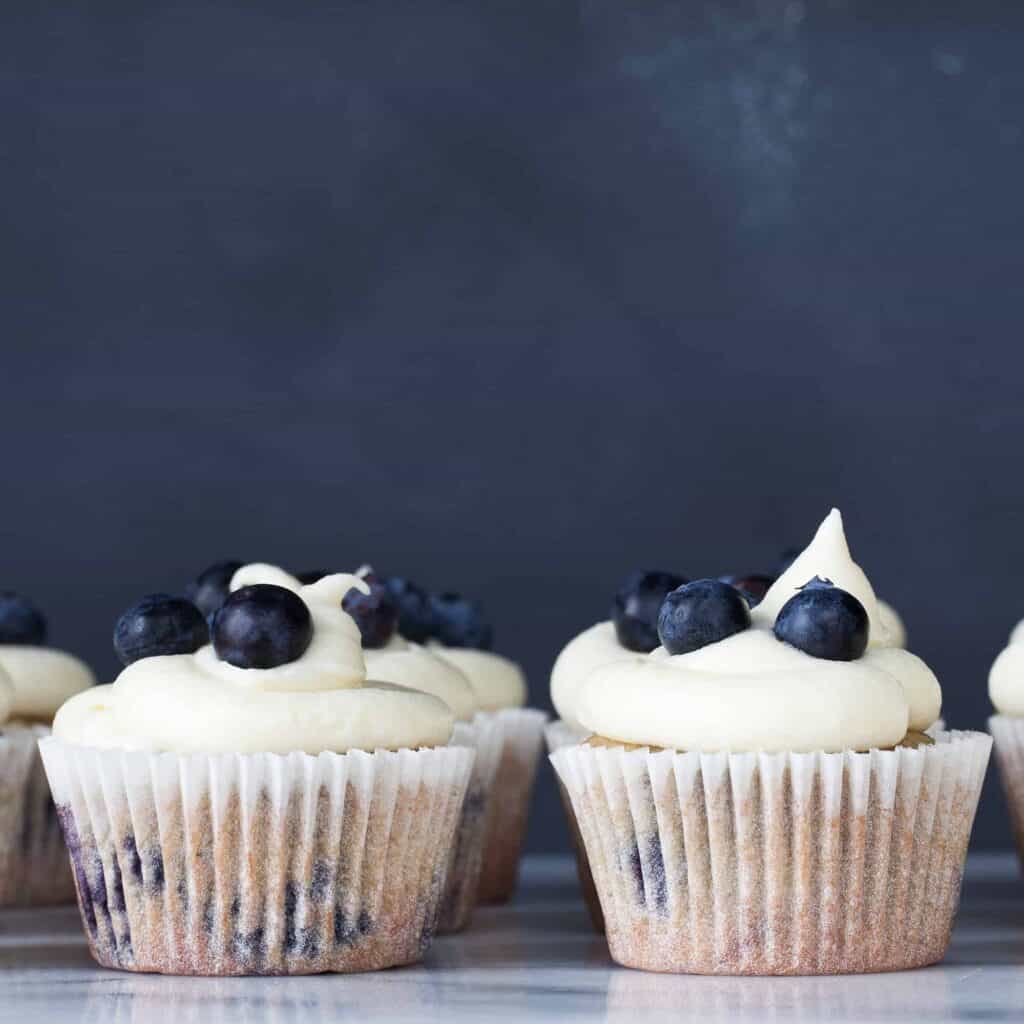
250, 805
1006, 691
34, 681
390, 658
758, 796
458, 633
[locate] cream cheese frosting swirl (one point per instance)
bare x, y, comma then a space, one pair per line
751, 691
497, 681
43, 678
192, 703
1006, 678
6, 696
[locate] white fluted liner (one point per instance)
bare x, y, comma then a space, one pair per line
1008, 734
34, 866
522, 732
258, 863
777, 863
558, 734
484, 735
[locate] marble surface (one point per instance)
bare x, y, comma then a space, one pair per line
536, 961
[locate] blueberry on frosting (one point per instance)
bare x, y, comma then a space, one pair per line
636, 606
753, 586
376, 613
210, 589
159, 624
20, 621
824, 621
416, 619
261, 626
459, 622
701, 613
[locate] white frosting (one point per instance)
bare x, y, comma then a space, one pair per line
43, 678
6, 696
497, 681
191, 703
753, 692
1006, 679
594, 647
892, 624
409, 664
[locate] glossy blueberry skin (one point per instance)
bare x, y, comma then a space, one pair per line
459, 622
825, 622
212, 586
376, 613
159, 624
261, 626
20, 621
416, 619
636, 606
701, 613
752, 586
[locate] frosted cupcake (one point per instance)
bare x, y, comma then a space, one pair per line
390, 658
758, 796
252, 805
460, 636
34, 681
1006, 691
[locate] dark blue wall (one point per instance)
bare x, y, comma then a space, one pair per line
515, 297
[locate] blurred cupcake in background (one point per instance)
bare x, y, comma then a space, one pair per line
1006, 691
757, 795
457, 632
251, 804
34, 681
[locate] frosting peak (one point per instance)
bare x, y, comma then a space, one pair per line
827, 556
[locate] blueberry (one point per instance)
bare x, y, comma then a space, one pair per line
159, 624
636, 606
701, 613
460, 622
211, 588
416, 619
752, 587
20, 621
261, 626
824, 621
376, 613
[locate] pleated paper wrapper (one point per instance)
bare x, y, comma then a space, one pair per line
522, 732
258, 863
777, 863
34, 866
1008, 734
558, 734
484, 735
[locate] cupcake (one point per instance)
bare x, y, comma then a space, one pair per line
34, 681
250, 805
1006, 691
462, 638
758, 796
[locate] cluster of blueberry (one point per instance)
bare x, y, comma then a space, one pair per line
661, 607
264, 625
20, 621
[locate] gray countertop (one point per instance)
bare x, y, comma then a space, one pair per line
536, 961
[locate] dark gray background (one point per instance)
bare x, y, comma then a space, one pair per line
514, 298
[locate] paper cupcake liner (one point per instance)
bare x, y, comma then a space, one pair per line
522, 735
258, 863
560, 734
485, 736
34, 866
777, 863
1008, 736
